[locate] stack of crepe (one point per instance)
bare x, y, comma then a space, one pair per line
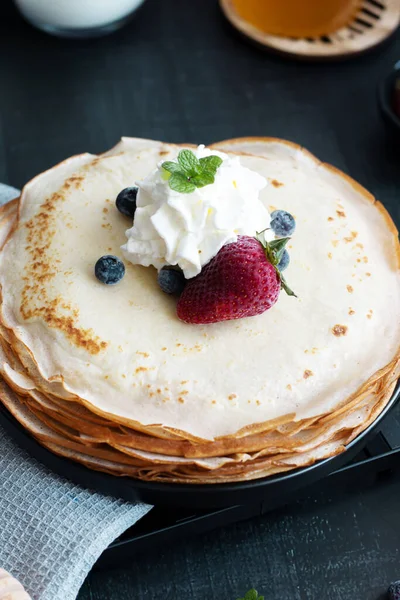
109, 377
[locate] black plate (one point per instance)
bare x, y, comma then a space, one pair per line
186, 495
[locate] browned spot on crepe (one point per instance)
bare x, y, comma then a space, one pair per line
351, 237
276, 183
75, 181
339, 330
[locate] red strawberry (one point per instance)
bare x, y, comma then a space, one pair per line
240, 281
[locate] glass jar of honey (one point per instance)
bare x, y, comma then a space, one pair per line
297, 18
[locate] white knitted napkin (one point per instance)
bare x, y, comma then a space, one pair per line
52, 531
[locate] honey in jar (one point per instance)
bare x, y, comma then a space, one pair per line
297, 18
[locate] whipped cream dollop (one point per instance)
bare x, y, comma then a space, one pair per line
188, 230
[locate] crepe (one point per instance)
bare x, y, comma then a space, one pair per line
125, 387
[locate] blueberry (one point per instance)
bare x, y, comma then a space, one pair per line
171, 281
394, 591
126, 201
109, 269
285, 260
282, 223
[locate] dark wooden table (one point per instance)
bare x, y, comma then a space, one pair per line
178, 73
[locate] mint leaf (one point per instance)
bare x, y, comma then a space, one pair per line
251, 595
189, 163
205, 178
190, 172
165, 175
179, 183
210, 163
171, 167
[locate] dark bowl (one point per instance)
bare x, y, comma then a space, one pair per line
385, 100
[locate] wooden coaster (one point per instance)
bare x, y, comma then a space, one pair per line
376, 21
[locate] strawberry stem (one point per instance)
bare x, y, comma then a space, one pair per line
273, 251
285, 286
